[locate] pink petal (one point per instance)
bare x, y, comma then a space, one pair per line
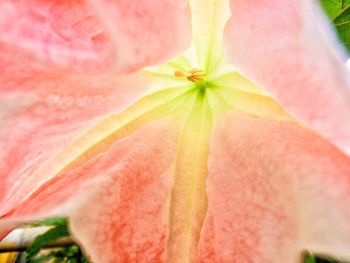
274, 190
288, 49
145, 32
41, 111
65, 32
118, 202
73, 33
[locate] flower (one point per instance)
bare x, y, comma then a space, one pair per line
239, 155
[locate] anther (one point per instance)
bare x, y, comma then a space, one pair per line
194, 75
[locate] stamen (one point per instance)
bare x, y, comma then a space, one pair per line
194, 75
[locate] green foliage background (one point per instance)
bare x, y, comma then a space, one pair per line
339, 13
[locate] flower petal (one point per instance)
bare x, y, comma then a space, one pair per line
92, 35
145, 32
288, 49
118, 201
208, 20
43, 110
65, 32
274, 189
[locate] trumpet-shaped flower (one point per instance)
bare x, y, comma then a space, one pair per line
236, 150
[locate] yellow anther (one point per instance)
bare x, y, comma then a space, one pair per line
194, 75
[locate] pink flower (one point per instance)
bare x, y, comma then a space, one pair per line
239, 155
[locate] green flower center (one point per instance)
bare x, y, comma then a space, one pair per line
198, 79
196, 92
202, 86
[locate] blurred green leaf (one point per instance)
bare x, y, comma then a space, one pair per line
51, 222
339, 13
69, 254
58, 231
311, 258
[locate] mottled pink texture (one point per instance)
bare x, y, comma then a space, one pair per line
66, 32
95, 35
118, 202
43, 108
145, 32
286, 47
274, 189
